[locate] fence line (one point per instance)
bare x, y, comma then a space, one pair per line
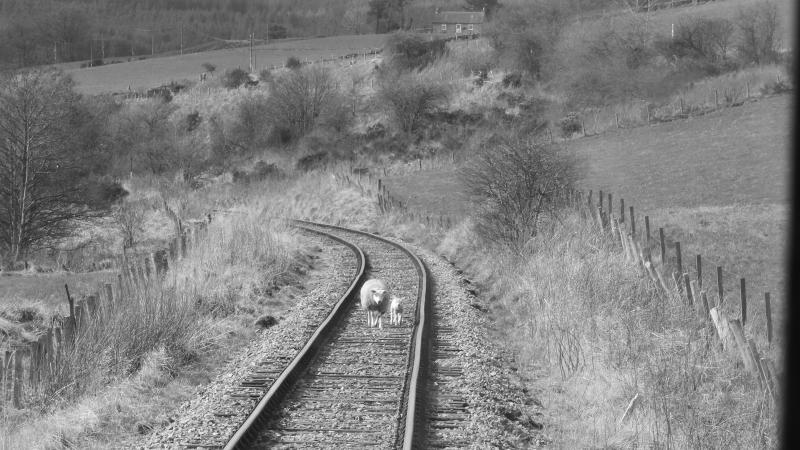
25, 367
681, 285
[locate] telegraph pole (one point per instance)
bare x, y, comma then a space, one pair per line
251, 52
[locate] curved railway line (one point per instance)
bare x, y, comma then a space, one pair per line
352, 386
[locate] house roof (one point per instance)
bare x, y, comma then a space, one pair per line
458, 17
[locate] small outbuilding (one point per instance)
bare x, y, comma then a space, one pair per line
459, 23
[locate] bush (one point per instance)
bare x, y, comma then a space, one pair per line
265, 75
192, 121
304, 98
408, 51
759, 33
704, 38
408, 99
570, 124
514, 186
235, 78
513, 79
313, 161
293, 63
250, 131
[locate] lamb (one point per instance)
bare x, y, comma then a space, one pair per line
375, 301
396, 311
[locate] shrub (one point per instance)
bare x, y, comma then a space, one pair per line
250, 131
235, 78
513, 79
702, 37
759, 30
313, 161
293, 63
408, 99
129, 218
515, 185
408, 51
208, 67
265, 75
304, 98
570, 124
192, 121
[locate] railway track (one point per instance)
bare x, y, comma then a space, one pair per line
352, 386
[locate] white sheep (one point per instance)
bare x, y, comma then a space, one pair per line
375, 301
396, 311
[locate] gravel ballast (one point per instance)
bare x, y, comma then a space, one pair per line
219, 408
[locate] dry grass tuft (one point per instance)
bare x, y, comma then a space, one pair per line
615, 361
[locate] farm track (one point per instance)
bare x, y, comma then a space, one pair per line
352, 386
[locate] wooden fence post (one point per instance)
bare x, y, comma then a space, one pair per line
622, 210
706, 306
719, 285
91, 305
744, 301
600, 200
679, 261
17, 389
70, 301
33, 363
769, 318
663, 247
184, 248
722, 324
699, 271
741, 343
109, 293
78, 316
688, 288
633, 223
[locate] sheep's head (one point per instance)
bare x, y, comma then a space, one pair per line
396, 301
377, 295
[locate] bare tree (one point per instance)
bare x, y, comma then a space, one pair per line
44, 160
129, 217
759, 32
408, 99
514, 185
301, 98
210, 68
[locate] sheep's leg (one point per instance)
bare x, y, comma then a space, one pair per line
380, 321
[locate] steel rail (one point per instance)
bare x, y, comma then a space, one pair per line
245, 434
416, 406
411, 431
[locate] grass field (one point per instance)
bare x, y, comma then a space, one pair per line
153, 72
733, 156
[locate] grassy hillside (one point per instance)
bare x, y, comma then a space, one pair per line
157, 71
733, 156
